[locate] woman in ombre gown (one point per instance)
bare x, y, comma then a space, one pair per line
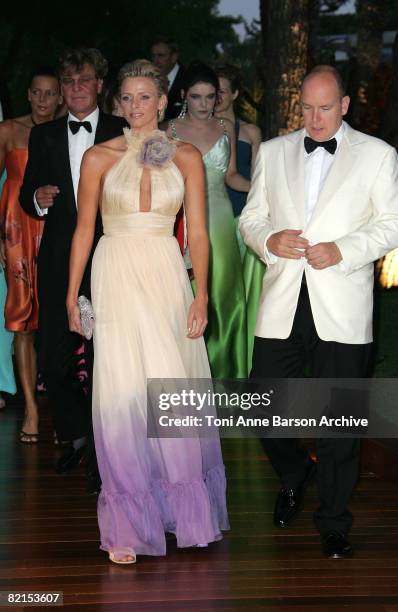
226, 333
21, 235
147, 325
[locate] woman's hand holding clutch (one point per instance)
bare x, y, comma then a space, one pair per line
197, 317
74, 318
81, 317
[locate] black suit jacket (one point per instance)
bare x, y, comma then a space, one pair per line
48, 164
174, 96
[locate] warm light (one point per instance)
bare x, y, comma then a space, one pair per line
388, 270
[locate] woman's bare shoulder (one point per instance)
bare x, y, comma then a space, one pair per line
188, 159
251, 130
15, 132
187, 152
107, 149
103, 155
117, 145
6, 128
9, 126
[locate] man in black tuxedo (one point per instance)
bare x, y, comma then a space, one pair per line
50, 188
164, 53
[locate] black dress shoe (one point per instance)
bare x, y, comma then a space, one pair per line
336, 545
93, 482
287, 506
70, 459
93, 485
289, 501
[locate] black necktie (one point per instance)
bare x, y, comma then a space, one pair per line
76, 125
310, 145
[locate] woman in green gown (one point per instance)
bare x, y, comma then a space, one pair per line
248, 139
226, 334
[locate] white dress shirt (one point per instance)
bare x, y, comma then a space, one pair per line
78, 144
316, 168
172, 75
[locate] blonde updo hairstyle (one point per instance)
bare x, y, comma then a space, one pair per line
144, 68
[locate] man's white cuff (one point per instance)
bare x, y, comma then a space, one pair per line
269, 257
40, 211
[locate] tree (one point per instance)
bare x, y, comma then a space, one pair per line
121, 29
285, 31
372, 19
389, 122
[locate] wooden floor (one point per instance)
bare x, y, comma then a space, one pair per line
49, 542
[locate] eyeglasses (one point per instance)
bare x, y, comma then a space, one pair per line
83, 81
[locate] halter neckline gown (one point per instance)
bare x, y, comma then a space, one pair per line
141, 295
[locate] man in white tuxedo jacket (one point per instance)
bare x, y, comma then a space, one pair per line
322, 208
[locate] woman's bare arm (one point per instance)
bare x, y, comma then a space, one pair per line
233, 178
255, 141
190, 163
88, 201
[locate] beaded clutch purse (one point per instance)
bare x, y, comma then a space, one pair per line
87, 317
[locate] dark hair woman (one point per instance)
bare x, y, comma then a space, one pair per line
20, 237
226, 332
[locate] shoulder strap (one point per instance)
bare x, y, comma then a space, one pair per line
222, 123
173, 129
237, 128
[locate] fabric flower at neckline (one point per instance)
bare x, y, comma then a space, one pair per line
156, 151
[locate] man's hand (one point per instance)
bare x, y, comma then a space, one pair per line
323, 255
45, 195
287, 244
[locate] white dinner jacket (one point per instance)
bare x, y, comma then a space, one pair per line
357, 208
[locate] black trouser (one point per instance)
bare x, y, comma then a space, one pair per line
57, 360
337, 459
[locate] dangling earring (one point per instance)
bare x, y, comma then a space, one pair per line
161, 115
211, 114
184, 109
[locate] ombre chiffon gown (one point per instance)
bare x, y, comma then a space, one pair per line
141, 295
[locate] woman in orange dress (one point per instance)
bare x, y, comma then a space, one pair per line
21, 235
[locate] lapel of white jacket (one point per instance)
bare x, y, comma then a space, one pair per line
294, 169
340, 170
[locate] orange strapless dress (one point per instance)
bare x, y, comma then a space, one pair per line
22, 235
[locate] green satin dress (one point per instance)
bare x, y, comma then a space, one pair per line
253, 267
226, 333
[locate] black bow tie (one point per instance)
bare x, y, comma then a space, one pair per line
76, 125
310, 145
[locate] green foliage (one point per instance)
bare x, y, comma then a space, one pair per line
337, 24
121, 29
388, 10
